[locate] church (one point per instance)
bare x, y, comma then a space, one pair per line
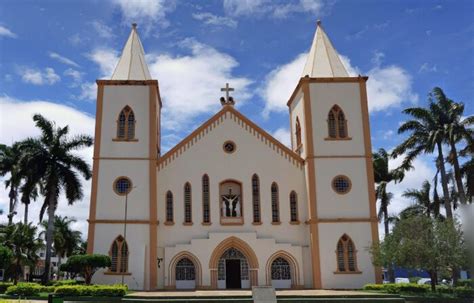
231, 207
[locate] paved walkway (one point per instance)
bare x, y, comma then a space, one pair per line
246, 293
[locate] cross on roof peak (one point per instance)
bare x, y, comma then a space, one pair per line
228, 100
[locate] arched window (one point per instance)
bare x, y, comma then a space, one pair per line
119, 255
293, 206
275, 202
346, 255
169, 207
256, 199
185, 270
298, 133
337, 123
126, 124
188, 217
281, 269
206, 216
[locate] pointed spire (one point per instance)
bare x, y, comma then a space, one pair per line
132, 64
323, 60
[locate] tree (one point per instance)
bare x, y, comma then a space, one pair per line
423, 205
6, 257
86, 265
427, 132
23, 241
383, 176
65, 240
457, 129
51, 157
9, 164
423, 243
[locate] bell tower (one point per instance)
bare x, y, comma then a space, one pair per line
330, 130
123, 209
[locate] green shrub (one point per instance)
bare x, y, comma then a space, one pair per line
391, 288
65, 282
414, 280
464, 282
24, 290
93, 290
48, 289
464, 292
413, 288
376, 287
4, 286
444, 289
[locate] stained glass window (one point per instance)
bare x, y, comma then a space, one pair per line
298, 132
341, 184
256, 198
275, 206
185, 270
293, 207
126, 124
169, 207
123, 186
337, 123
281, 269
119, 255
187, 204
205, 199
346, 255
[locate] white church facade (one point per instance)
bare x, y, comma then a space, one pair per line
231, 207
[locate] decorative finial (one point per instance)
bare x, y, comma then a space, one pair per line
318, 22
134, 25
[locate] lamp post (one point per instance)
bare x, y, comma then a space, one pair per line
125, 227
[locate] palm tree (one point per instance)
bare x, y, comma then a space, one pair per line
29, 191
50, 156
24, 243
383, 175
9, 157
467, 171
65, 239
426, 133
423, 205
457, 129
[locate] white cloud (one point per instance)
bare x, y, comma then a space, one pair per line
145, 12
5, 32
190, 84
38, 77
280, 83
211, 19
426, 67
283, 135
387, 87
106, 59
88, 91
269, 8
102, 30
75, 75
62, 59
17, 115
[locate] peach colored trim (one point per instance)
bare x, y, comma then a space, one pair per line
294, 267
122, 158
115, 182
152, 153
95, 169
110, 221
208, 198
172, 268
196, 134
244, 248
169, 223
312, 199
345, 220
188, 223
346, 256
370, 170
295, 222
323, 80
232, 220
124, 140
347, 179
338, 139
340, 157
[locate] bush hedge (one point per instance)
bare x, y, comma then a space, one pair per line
392, 288
92, 290
464, 292
24, 290
65, 282
464, 282
4, 286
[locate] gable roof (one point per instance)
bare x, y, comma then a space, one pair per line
250, 126
323, 60
132, 64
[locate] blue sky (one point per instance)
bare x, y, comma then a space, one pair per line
51, 52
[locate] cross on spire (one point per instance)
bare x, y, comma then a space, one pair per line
228, 100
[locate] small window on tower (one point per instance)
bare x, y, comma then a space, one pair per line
337, 124
126, 125
122, 186
298, 133
341, 184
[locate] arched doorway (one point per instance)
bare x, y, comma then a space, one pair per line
233, 264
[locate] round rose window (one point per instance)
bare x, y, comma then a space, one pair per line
229, 147
341, 184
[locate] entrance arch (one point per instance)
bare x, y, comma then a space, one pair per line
280, 282
183, 256
242, 247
